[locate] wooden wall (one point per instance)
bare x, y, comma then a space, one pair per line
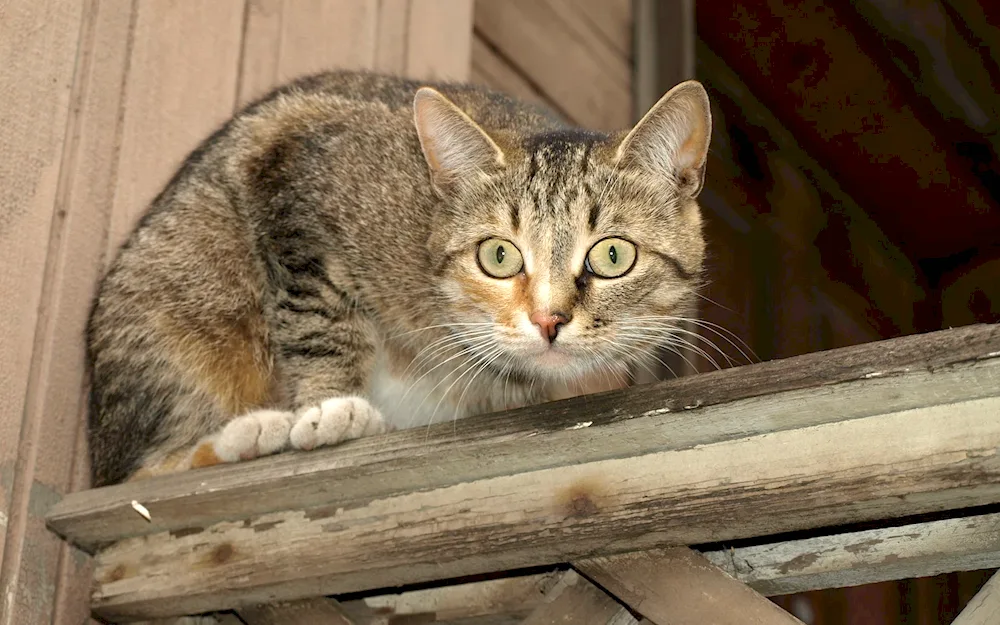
101, 99
573, 55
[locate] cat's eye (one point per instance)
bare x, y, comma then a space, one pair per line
499, 258
611, 258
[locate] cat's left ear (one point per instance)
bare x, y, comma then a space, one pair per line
454, 146
672, 139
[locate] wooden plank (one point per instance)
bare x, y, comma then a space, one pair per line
512, 597
439, 39
579, 73
182, 84
865, 557
315, 611
679, 586
89, 170
318, 35
520, 440
645, 473
39, 42
984, 609
261, 43
491, 70
576, 600
391, 36
772, 568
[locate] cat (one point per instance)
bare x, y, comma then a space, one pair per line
356, 252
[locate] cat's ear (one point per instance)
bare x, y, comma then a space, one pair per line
454, 146
672, 139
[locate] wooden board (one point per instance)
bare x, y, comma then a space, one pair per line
984, 609
680, 587
512, 597
557, 490
489, 68
200, 498
551, 43
38, 42
964, 543
576, 600
315, 611
76, 254
841, 559
182, 81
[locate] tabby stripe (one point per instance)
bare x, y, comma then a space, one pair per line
673, 262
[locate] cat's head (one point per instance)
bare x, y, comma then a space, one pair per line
565, 253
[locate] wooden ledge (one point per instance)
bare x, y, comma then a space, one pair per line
878, 431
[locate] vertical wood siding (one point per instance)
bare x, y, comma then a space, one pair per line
101, 100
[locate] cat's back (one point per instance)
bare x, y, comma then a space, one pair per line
350, 90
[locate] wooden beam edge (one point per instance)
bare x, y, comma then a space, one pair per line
517, 441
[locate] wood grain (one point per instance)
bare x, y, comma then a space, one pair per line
964, 543
315, 611
631, 480
76, 258
318, 35
182, 82
576, 600
491, 70
38, 42
841, 559
512, 597
680, 587
439, 39
521, 440
984, 609
547, 42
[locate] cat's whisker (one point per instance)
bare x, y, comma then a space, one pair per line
720, 331
674, 330
443, 345
440, 325
666, 339
470, 350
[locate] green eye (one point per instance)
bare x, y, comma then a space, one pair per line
499, 258
611, 258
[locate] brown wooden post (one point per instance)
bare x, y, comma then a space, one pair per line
680, 587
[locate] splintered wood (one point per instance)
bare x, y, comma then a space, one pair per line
876, 432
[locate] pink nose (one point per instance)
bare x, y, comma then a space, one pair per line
548, 323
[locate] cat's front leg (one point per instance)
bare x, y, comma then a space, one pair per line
326, 358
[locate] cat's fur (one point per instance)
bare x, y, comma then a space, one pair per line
310, 274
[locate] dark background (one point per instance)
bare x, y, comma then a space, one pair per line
853, 195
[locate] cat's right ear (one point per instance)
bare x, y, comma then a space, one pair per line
454, 146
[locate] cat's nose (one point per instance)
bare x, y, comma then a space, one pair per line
549, 323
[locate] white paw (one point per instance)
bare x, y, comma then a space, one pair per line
254, 434
336, 420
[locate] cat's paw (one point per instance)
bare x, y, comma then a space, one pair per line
258, 433
335, 420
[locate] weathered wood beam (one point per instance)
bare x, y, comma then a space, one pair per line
984, 609
679, 586
314, 611
965, 543
514, 597
872, 432
576, 600
772, 568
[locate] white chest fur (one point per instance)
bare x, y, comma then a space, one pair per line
420, 396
